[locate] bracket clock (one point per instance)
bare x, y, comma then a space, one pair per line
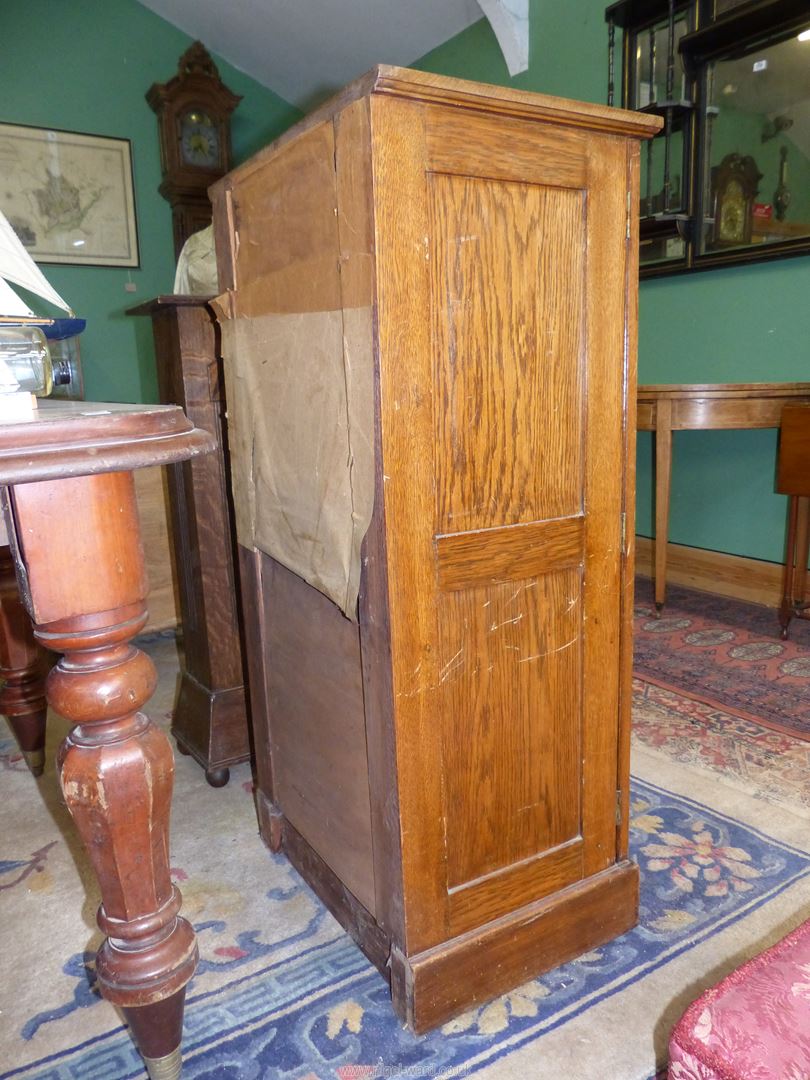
194, 113
735, 185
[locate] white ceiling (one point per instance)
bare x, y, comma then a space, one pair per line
305, 50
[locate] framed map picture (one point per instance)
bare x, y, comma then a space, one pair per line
69, 197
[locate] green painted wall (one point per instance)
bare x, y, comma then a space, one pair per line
85, 66
747, 324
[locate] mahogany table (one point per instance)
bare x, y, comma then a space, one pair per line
702, 407
69, 502
23, 667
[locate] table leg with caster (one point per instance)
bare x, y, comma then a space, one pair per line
23, 665
87, 590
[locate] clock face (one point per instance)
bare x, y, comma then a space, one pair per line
732, 214
199, 139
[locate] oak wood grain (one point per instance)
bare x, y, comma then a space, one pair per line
504, 554
508, 372
509, 700
606, 483
476, 902
629, 394
548, 156
404, 289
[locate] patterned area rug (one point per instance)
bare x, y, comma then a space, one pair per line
282, 993
728, 653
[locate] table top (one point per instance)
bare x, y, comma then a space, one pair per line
723, 390
170, 300
715, 406
80, 438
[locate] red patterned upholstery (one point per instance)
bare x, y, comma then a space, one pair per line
755, 1024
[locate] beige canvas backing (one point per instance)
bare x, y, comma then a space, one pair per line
300, 425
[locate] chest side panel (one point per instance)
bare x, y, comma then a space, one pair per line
503, 379
507, 388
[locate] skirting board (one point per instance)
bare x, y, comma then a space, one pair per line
754, 580
153, 508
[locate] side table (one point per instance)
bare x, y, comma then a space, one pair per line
69, 502
210, 719
669, 407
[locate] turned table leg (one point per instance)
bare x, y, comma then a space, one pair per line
22, 669
80, 546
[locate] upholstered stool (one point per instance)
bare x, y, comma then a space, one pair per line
754, 1024
793, 480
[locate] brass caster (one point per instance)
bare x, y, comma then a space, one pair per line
165, 1068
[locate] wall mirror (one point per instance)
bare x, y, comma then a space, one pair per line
728, 179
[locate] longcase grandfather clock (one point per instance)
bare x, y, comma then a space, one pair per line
194, 114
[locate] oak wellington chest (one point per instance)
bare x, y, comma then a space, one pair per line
431, 285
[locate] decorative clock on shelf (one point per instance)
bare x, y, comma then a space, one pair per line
194, 115
735, 184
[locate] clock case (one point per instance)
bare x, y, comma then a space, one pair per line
735, 185
196, 85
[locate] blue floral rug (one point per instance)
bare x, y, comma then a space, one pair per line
283, 993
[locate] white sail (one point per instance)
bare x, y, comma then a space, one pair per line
17, 266
11, 304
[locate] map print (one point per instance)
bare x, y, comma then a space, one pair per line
68, 196
60, 204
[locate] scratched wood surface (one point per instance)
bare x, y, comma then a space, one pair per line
504, 444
